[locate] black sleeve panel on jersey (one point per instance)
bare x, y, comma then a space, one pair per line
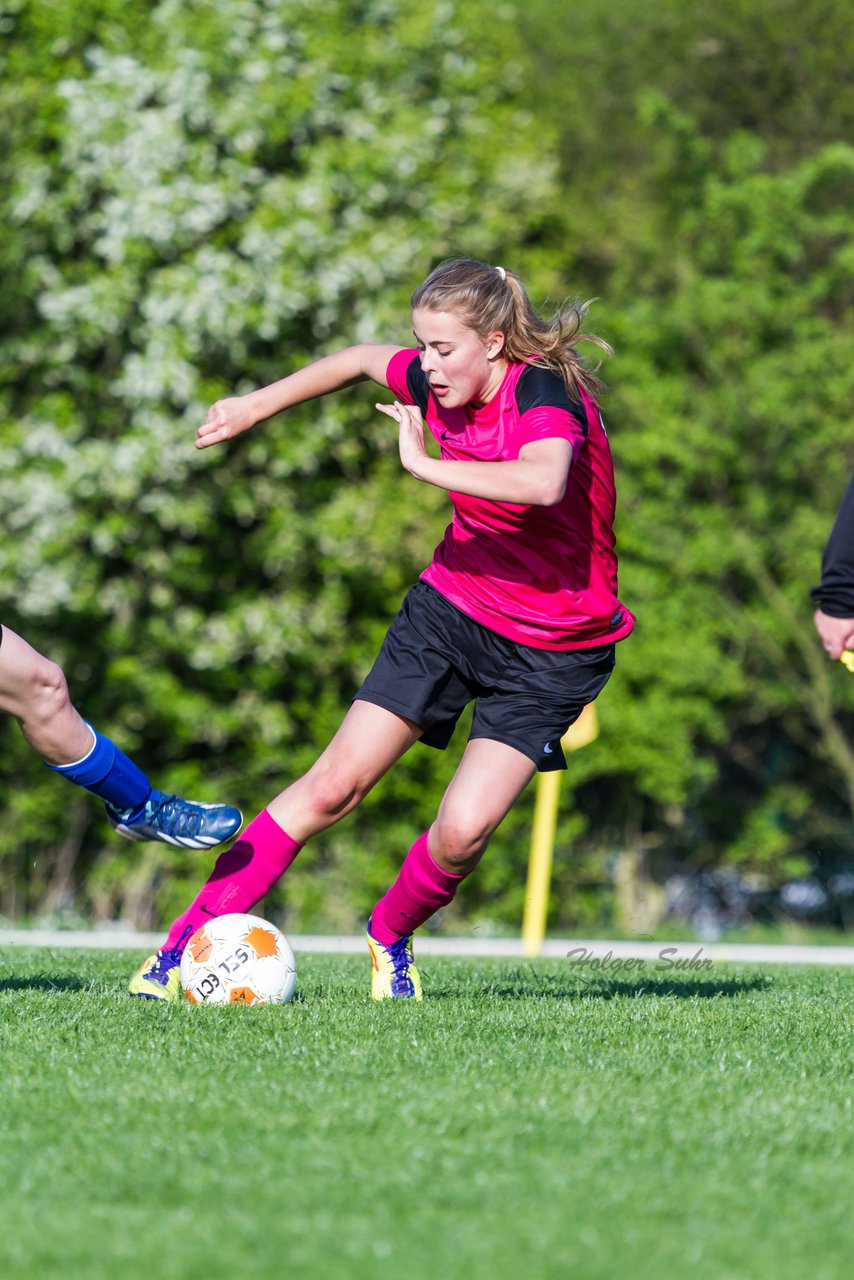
835, 593
416, 380
539, 388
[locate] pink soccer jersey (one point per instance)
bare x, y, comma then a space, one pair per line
542, 576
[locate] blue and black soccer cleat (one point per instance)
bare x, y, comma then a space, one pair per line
174, 820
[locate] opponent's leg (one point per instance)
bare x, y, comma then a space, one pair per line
490, 778
35, 691
367, 744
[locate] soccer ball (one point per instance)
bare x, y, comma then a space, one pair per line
238, 959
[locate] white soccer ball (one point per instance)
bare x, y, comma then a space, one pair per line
238, 959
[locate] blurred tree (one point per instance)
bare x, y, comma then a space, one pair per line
735, 398
726, 734
201, 198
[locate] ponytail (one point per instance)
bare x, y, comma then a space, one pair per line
489, 299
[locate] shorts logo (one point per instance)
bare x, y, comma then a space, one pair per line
548, 749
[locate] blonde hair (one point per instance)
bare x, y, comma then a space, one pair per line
488, 299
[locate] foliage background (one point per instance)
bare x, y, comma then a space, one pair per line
198, 199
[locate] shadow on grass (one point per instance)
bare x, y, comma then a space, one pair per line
574, 986
684, 988
41, 982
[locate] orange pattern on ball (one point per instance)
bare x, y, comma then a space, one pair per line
242, 995
262, 941
200, 946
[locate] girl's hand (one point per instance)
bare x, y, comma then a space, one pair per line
226, 419
413, 450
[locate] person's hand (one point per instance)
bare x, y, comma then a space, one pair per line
225, 420
411, 443
836, 634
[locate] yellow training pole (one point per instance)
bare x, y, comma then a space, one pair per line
540, 862
585, 730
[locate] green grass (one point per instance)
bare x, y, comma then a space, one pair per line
785, 933
524, 1121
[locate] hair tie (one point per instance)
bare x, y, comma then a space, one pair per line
501, 272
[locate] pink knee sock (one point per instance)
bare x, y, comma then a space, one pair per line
419, 891
240, 878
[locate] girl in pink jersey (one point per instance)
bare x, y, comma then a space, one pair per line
518, 611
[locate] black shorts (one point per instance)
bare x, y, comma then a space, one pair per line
436, 659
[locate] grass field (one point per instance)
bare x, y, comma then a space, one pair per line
530, 1120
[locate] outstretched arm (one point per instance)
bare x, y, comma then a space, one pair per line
235, 414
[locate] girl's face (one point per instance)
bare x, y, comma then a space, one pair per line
460, 365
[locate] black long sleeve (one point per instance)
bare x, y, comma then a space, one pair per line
835, 593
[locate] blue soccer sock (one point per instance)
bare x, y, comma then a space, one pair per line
109, 774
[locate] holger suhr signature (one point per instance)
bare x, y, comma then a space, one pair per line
668, 958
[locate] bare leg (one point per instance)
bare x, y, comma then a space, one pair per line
365, 747
34, 690
367, 744
490, 778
